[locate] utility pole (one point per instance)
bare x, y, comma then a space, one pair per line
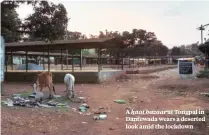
201, 28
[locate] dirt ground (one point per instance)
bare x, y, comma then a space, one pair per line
157, 91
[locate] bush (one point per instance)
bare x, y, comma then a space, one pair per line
203, 74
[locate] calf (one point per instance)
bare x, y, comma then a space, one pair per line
44, 79
69, 81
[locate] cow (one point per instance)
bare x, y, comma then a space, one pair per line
44, 79
69, 81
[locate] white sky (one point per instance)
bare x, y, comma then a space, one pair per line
174, 22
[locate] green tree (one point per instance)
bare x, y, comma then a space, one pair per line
176, 51
75, 35
10, 22
48, 22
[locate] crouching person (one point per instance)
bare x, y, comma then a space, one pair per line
69, 81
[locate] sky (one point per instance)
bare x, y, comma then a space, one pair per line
173, 22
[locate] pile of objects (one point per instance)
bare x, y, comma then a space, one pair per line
31, 101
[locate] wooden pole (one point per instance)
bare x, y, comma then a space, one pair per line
61, 60
6, 63
72, 62
43, 61
48, 59
100, 63
122, 62
11, 60
98, 60
26, 61
81, 61
129, 62
67, 58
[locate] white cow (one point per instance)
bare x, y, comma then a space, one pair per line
69, 80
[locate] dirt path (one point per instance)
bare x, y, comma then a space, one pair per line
154, 92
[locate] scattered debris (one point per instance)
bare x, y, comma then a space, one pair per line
31, 101
205, 94
120, 101
82, 98
43, 105
57, 96
9, 102
79, 100
88, 113
84, 122
52, 103
83, 108
74, 109
111, 128
100, 117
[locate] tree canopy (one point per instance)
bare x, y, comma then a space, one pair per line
139, 42
48, 22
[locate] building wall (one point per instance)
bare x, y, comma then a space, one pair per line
58, 77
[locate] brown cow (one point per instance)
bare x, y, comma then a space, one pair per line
44, 79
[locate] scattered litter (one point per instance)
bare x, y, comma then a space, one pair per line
78, 100
57, 96
74, 109
43, 105
4, 102
16, 95
88, 113
205, 94
32, 101
117, 118
52, 103
9, 102
83, 108
100, 117
81, 98
32, 96
111, 128
84, 122
134, 96
120, 101
61, 105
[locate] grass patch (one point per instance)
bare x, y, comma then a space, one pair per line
203, 73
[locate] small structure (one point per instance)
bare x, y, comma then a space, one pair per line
186, 68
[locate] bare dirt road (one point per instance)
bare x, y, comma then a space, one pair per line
158, 91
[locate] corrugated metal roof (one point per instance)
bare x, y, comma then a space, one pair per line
40, 46
56, 42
